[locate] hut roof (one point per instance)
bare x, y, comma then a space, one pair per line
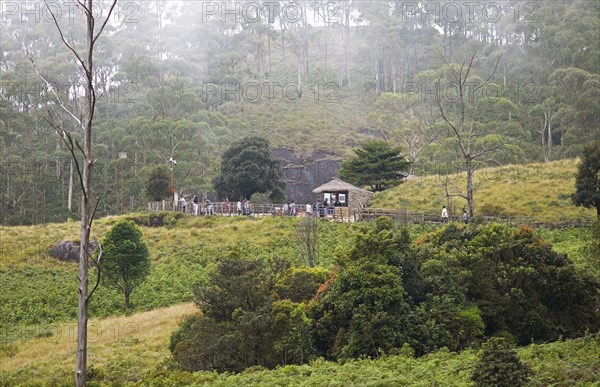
337, 185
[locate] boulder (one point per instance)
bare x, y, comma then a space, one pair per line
69, 251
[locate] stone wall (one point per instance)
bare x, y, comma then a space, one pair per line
303, 174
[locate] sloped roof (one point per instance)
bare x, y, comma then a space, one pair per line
337, 185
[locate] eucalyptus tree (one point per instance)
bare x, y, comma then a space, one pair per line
83, 116
466, 113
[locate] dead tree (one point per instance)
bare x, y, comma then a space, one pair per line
464, 123
84, 121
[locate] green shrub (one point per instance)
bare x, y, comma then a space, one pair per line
301, 283
499, 366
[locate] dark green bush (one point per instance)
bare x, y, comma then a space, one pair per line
301, 283
499, 366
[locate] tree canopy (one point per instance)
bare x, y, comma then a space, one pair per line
125, 259
587, 183
247, 167
170, 87
376, 164
157, 185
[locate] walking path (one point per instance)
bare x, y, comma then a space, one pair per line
345, 214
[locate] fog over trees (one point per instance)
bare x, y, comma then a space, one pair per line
185, 79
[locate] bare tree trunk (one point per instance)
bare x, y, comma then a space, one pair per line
283, 50
347, 44
86, 181
549, 140
470, 171
70, 198
463, 133
85, 119
269, 54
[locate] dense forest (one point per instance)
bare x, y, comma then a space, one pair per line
184, 79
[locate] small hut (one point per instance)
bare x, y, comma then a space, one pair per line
346, 194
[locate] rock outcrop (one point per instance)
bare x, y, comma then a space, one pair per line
69, 251
302, 175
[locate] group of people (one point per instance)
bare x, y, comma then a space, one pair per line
289, 208
316, 209
208, 206
464, 217
321, 209
243, 207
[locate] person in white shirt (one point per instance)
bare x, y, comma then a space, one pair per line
444, 215
308, 210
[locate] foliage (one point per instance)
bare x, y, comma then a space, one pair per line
242, 323
499, 366
187, 252
516, 280
300, 284
376, 164
363, 310
293, 331
587, 183
247, 167
125, 260
378, 79
307, 234
591, 251
157, 186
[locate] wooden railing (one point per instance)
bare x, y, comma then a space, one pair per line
259, 210
406, 216
345, 214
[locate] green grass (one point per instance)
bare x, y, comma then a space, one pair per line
541, 191
42, 290
38, 310
133, 350
314, 122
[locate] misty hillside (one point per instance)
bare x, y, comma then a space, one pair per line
540, 191
183, 79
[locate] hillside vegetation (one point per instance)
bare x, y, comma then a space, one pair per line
38, 313
44, 290
181, 84
133, 349
539, 190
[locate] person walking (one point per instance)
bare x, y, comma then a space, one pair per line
239, 207
465, 216
444, 215
285, 211
226, 206
209, 208
308, 210
195, 202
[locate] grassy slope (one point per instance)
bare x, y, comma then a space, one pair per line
112, 340
538, 190
38, 310
43, 291
312, 123
133, 349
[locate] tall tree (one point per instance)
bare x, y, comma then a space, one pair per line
587, 183
126, 260
247, 167
404, 118
464, 115
376, 164
157, 186
84, 117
